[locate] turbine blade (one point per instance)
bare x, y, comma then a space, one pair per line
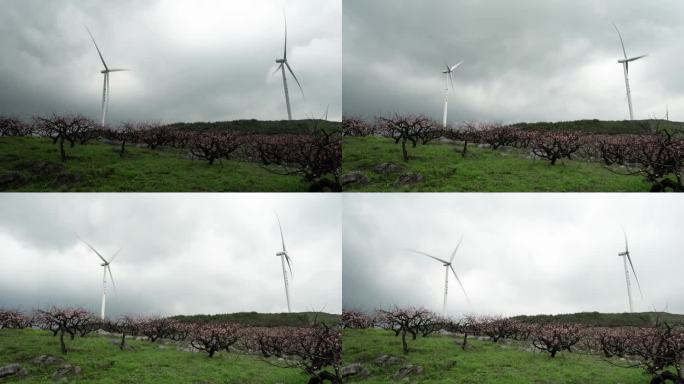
636, 58
455, 250
119, 70
621, 42
285, 49
282, 238
456, 65
629, 258
277, 69
451, 78
326, 112
425, 254
115, 255
287, 258
94, 250
447, 67
109, 269
459, 283
626, 245
295, 77
98, 49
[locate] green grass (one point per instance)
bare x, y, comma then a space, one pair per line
97, 167
444, 361
103, 362
483, 170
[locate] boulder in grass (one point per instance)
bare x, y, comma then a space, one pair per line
354, 177
45, 360
407, 371
66, 370
10, 370
386, 360
355, 370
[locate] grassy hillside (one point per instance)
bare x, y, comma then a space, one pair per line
443, 170
32, 164
606, 127
263, 127
640, 319
103, 362
445, 362
299, 319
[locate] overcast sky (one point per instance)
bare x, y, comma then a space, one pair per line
181, 254
528, 60
202, 60
521, 253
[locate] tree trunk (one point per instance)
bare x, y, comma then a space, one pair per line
403, 149
403, 341
465, 149
123, 341
62, 346
465, 341
123, 148
61, 148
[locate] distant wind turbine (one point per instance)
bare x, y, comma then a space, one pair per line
626, 258
625, 67
105, 88
284, 258
447, 267
448, 77
106, 268
282, 64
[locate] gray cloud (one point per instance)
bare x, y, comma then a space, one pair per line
521, 253
180, 253
190, 62
527, 60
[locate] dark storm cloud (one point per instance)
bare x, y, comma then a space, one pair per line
524, 61
521, 253
180, 253
190, 61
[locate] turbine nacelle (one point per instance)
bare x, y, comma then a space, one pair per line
281, 254
623, 254
281, 61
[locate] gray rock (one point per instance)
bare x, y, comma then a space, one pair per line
10, 370
354, 177
386, 360
407, 371
66, 370
45, 360
355, 370
387, 168
408, 178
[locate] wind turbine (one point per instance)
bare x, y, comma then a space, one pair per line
282, 64
106, 268
447, 267
626, 258
448, 76
625, 66
105, 87
284, 258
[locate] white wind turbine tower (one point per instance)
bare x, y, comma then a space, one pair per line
447, 267
105, 88
625, 67
282, 64
106, 268
625, 259
284, 258
448, 77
